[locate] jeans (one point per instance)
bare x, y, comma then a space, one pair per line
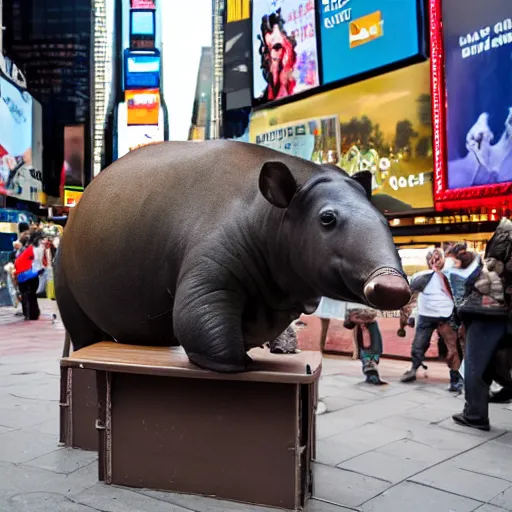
483, 335
424, 329
369, 355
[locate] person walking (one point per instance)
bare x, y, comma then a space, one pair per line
28, 266
367, 341
486, 314
435, 307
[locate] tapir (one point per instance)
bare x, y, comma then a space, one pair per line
217, 246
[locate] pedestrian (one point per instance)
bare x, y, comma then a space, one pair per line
486, 314
435, 307
28, 266
367, 341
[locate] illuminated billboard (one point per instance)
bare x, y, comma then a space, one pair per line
362, 35
384, 127
142, 70
142, 29
284, 39
143, 106
20, 143
472, 108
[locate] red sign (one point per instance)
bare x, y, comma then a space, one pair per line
143, 4
490, 195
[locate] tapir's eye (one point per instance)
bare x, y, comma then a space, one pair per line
328, 219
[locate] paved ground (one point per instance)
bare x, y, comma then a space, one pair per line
387, 449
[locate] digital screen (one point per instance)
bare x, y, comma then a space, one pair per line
384, 126
74, 150
18, 178
478, 81
362, 35
143, 106
143, 23
284, 41
142, 71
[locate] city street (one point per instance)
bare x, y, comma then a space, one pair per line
392, 448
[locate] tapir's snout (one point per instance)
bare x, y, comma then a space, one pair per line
387, 290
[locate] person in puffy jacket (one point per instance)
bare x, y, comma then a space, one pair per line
486, 314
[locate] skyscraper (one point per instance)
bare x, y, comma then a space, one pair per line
201, 111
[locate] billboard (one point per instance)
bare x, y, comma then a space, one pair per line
143, 106
284, 39
385, 127
363, 35
74, 150
305, 139
20, 143
142, 70
474, 133
142, 28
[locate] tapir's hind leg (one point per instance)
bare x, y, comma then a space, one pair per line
81, 328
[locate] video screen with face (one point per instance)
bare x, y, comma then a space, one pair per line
478, 81
285, 60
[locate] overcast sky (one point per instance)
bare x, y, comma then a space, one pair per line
186, 27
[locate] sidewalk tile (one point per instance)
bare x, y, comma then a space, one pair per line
491, 508
320, 506
381, 465
108, 498
201, 503
444, 439
504, 499
64, 460
18, 479
448, 478
407, 449
407, 497
491, 459
333, 453
344, 487
23, 445
46, 502
449, 424
368, 437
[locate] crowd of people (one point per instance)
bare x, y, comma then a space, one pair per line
30, 266
466, 298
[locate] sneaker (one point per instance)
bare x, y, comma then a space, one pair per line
503, 396
409, 376
461, 419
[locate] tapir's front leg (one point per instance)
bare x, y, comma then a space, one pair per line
207, 318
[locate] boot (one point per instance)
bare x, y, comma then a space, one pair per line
456, 382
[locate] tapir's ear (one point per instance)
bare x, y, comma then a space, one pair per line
364, 178
277, 184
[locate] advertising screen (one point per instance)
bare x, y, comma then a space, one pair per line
142, 71
385, 126
74, 147
143, 106
285, 60
143, 23
304, 139
362, 35
18, 177
478, 82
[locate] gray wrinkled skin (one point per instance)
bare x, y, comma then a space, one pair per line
216, 246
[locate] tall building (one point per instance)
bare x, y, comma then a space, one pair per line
201, 111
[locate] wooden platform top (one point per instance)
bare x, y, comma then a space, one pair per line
301, 368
